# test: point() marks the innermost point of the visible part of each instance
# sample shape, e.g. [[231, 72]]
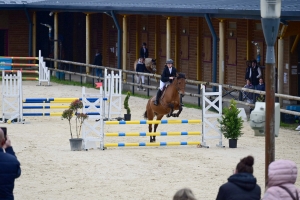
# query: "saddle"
[[162, 92]]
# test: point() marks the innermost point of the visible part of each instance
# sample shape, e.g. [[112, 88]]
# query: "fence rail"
[[192, 82]]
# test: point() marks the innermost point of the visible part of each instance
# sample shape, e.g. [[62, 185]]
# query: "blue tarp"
[[5, 60]]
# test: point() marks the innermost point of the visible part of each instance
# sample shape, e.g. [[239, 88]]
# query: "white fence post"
[[92, 128], [209, 120], [44, 72], [12, 105]]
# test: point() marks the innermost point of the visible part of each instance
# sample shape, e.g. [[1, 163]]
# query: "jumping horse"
[[170, 100]]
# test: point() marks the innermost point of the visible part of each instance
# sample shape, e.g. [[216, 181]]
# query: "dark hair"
[[144, 44], [254, 61], [184, 194], [245, 165]]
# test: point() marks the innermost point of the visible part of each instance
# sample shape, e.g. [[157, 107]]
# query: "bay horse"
[[150, 65], [170, 100]]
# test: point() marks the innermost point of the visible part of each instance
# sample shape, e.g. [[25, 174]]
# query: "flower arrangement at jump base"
[[231, 124], [74, 108]]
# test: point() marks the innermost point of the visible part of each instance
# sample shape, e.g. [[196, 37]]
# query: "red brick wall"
[[18, 35]]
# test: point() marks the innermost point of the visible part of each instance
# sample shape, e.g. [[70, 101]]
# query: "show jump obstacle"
[[12, 104], [94, 127], [43, 71], [106, 103]]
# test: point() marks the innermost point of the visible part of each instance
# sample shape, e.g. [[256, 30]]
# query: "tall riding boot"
[[158, 95]]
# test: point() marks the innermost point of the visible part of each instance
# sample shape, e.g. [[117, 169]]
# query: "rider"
[[168, 75]]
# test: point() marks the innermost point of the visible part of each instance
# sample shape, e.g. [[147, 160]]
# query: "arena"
[[51, 171]]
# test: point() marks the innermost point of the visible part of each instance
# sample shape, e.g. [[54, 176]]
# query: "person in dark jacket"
[[98, 61], [255, 74], [242, 184], [248, 70], [168, 75], [144, 53], [141, 67], [9, 168], [261, 87]]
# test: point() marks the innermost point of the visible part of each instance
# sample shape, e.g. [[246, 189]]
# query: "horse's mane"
[[180, 75]]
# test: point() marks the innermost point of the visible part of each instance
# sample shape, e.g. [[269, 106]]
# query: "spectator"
[[141, 67], [248, 70], [184, 194], [98, 61], [242, 184], [9, 167], [248, 95], [255, 74], [282, 177], [144, 53], [261, 87]]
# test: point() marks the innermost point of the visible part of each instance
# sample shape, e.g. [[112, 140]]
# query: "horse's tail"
[[145, 115]]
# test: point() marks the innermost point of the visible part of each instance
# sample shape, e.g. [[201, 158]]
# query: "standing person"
[[184, 194], [98, 61], [141, 67], [144, 53], [242, 184], [9, 167], [248, 70], [255, 74], [282, 176], [168, 75], [261, 87]]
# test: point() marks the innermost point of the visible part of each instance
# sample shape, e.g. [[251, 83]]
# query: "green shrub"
[[230, 123], [126, 105]]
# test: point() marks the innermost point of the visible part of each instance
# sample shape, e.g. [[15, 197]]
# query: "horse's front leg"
[[150, 130], [171, 111], [179, 111]]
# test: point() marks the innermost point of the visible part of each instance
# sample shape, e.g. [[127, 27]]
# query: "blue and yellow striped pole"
[[143, 144], [183, 121], [123, 134]]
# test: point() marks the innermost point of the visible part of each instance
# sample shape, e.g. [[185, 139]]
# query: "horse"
[[170, 100], [150, 65]]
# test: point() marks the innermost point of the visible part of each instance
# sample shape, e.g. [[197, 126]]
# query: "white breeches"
[[162, 84], [139, 78]]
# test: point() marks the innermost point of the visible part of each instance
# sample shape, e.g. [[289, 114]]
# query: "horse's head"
[[180, 83], [151, 65]]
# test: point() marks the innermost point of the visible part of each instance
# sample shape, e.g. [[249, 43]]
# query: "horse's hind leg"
[[150, 116], [159, 117]]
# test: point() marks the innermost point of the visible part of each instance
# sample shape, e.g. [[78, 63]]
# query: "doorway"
[[3, 43]]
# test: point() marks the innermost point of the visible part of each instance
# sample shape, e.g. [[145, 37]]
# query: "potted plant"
[[75, 106], [127, 116], [231, 124]]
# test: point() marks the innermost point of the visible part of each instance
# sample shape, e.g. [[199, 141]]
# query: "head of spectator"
[[184, 194], [144, 45], [245, 165], [261, 81], [248, 82], [141, 60], [254, 63]]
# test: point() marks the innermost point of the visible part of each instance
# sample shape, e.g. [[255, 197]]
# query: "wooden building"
[[184, 32]]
